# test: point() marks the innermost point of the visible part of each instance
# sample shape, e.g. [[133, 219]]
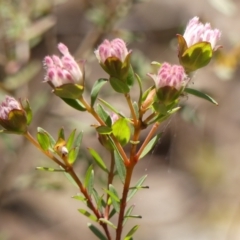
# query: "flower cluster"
[[197, 32], [170, 75], [7, 106], [63, 70], [115, 48]]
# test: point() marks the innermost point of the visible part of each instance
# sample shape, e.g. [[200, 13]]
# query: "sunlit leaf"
[[104, 130], [87, 214], [50, 169], [121, 131]]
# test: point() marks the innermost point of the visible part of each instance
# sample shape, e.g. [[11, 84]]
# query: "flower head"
[[171, 76], [198, 32], [63, 70], [7, 106], [115, 48], [13, 116]]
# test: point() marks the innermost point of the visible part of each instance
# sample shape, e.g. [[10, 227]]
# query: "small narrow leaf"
[[72, 155], [69, 177], [98, 159], [112, 213], [136, 110], [140, 88], [107, 222], [96, 88], [61, 134], [121, 169], [98, 200], [78, 140], [80, 198], [139, 183], [89, 179], [104, 130], [104, 115], [87, 214], [131, 232], [96, 232], [128, 212], [110, 107], [150, 145], [51, 139], [74, 103], [70, 140], [50, 169], [118, 85], [200, 95], [43, 140], [114, 198]]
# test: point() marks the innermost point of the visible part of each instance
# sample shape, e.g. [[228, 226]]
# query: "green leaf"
[[150, 145], [80, 198], [110, 107], [43, 140], [131, 232], [112, 213], [130, 77], [104, 115], [98, 200], [78, 140], [200, 95], [121, 169], [98, 159], [28, 110], [74, 103], [96, 88], [114, 197], [89, 180], [196, 56], [104, 130], [128, 212], [136, 109], [61, 134], [107, 222], [72, 156], [70, 140], [140, 88], [134, 191], [118, 85], [96, 232], [87, 214], [51, 139], [50, 169], [71, 180], [121, 131], [69, 90]]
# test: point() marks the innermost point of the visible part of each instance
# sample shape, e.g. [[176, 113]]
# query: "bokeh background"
[[194, 171]]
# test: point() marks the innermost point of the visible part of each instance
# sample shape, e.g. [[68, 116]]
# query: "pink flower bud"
[[63, 70], [197, 32], [115, 48], [7, 106], [170, 75]]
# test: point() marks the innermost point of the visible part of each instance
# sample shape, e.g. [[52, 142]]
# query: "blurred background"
[[194, 171]]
